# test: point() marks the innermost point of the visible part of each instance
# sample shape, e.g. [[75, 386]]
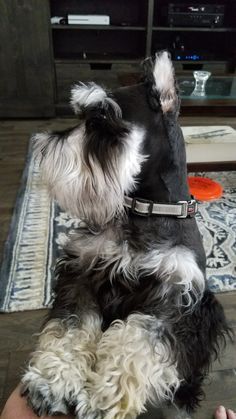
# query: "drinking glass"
[[201, 78]]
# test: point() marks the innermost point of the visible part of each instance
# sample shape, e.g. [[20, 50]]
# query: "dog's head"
[[123, 141]]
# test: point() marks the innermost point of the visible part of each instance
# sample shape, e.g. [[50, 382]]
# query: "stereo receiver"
[[202, 15]]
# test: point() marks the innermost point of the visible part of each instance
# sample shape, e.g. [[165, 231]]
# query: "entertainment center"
[[43, 59]]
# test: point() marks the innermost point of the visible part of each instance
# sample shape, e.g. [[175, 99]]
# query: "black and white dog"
[[133, 320]]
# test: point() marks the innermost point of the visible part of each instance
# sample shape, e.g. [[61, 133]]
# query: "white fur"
[[177, 265], [129, 164], [86, 191], [112, 375], [59, 367], [163, 73], [85, 95], [133, 366]]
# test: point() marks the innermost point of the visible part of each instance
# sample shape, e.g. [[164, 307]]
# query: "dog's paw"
[[43, 397], [83, 409], [48, 398]]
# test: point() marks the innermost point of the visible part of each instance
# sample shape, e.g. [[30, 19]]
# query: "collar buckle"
[[189, 208]]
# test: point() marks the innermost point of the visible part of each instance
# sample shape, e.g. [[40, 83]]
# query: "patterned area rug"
[[39, 228]]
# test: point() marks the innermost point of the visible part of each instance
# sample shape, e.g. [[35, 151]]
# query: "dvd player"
[[88, 20]]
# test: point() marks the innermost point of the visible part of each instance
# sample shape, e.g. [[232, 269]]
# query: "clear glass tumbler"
[[201, 78]]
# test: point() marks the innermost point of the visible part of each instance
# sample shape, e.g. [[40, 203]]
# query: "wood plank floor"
[[17, 329]]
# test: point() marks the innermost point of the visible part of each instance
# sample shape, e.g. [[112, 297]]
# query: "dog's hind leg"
[[57, 373], [134, 365], [200, 337]]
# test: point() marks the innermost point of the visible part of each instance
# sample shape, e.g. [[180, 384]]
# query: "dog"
[[133, 320]]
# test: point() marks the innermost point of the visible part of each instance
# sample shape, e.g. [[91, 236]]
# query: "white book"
[[210, 143]]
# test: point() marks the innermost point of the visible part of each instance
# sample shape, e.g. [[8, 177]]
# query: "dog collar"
[[144, 207]]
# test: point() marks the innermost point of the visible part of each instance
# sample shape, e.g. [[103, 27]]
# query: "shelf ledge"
[[100, 27]]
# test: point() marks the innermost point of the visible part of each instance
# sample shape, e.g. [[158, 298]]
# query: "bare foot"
[[222, 413]]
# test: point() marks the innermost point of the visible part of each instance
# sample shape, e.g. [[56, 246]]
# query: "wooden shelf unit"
[[149, 21]]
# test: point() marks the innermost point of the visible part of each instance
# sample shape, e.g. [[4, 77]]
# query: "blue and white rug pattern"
[[217, 224], [26, 272], [39, 228]]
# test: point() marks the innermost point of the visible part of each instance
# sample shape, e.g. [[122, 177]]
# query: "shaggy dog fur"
[[133, 320]]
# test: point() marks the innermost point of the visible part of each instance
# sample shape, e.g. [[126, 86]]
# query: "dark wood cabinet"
[[112, 54], [40, 60], [26, 61]]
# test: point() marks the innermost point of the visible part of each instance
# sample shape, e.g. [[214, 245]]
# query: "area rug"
[[39, 228]]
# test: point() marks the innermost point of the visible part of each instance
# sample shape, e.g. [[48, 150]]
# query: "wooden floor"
[[16, 330]]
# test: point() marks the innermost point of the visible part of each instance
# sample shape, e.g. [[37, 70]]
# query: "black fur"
[[201, 336], [104, 134]]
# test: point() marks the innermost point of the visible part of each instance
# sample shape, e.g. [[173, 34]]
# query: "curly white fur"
[[58, 369], [112, 375], [133, 366]]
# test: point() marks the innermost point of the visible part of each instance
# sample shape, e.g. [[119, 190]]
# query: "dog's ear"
[[91, 167], [85, 97], [163, 95], [159, 77]]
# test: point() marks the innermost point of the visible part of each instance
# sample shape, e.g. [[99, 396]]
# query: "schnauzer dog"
[[133, 321]]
